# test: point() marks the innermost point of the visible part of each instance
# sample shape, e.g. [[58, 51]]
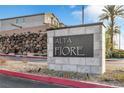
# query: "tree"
[[116, 30], [110, 13]]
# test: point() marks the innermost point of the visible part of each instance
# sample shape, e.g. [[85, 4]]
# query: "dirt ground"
[[25, 64], [114, 65], [22, 66]]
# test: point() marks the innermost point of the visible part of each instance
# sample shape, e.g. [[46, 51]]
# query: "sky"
[[68, 14]]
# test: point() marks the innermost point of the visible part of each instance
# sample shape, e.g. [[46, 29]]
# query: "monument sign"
[[73, 46], [77, 48]]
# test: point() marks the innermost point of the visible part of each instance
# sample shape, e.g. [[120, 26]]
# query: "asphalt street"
[[14, 82]]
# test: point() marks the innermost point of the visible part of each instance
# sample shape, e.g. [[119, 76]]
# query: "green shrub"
[[121, 55], [118, 54], [38, 54], [108, 54]]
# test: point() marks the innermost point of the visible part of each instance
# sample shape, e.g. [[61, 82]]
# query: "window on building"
[[20, 20], [52, 20], [23, 20]]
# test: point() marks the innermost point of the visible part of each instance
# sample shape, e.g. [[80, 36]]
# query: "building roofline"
[[31, 15], [24, 16], [91, 24], [56, 17]]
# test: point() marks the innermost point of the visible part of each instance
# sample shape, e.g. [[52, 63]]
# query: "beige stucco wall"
[[29, 21], [51, 19]]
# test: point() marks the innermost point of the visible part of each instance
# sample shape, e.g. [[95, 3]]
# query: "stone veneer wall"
[[94, 65]]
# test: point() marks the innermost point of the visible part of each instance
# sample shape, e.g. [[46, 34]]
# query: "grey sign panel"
[[73, 46]]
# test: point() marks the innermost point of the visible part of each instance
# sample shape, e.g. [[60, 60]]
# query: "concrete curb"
[[56, 80], [37, 57]]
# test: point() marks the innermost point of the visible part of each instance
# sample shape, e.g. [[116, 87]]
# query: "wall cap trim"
[[91, 24]]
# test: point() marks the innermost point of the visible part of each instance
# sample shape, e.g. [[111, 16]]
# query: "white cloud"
[[94, 10], [72, 6], [91, 13], [77, 14]]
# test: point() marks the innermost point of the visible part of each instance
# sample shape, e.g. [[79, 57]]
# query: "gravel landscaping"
[[21, 66]]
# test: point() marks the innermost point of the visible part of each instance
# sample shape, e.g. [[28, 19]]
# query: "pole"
[[82, 14], [119, 42]]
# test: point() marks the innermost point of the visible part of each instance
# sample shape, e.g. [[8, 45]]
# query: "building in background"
[[28, 21], [26, 35]]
